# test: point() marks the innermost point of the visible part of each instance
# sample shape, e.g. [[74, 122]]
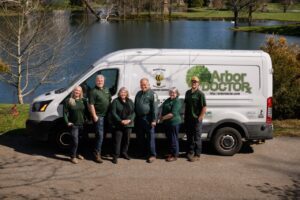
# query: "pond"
[[99, 39]]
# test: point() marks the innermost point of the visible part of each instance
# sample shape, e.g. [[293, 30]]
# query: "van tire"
[[63, 139], [227, 141]]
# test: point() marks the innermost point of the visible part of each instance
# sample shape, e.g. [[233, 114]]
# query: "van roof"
[[121, 55]]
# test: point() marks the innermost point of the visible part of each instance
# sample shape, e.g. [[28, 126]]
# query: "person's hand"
[[95, 118], [70, 124], [153, 124], [127, 121], [200, 119]]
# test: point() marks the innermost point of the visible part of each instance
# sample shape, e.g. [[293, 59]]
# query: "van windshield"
[[80, 75]]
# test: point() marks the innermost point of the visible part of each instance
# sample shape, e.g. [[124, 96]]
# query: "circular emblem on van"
[[201, 72]]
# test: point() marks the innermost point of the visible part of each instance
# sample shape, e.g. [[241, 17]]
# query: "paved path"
[[30, 170]]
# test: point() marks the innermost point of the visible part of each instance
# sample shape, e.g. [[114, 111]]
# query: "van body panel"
[[236, 83]]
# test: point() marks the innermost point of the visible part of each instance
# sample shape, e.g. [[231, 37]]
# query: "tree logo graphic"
[[201, 72]]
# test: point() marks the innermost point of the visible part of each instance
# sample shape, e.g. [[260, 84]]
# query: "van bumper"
[[259, 131], [39, 130]]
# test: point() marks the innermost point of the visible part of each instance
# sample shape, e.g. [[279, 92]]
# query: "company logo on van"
[[159, 77], [223, 83]]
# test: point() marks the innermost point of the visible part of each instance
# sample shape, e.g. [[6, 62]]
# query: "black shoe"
[[125, 155], [115, 160], [197, 157], [190, 157]]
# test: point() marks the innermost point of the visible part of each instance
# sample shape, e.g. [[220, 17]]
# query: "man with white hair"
[[145, 110], [99, 100]]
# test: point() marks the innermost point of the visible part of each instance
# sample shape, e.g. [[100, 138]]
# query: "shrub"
[[4, 67], [286, 77]]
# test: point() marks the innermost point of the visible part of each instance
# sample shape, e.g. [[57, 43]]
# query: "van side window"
[[111, 81]]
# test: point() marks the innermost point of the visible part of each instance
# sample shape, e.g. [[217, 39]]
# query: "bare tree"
[[286, 4], [236, 7], [33, 48], [252, 7]]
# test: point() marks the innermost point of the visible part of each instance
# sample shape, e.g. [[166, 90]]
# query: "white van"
[[237, 85]]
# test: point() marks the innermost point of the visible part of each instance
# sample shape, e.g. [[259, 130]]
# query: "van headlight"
[[40, 106]]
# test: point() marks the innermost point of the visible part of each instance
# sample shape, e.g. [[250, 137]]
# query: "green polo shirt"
[[145, 105], [100, 98], [194, 102], [76, 114], [172, 106], [122, 110]]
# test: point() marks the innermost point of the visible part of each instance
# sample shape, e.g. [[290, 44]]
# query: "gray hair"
[[144, 79], [174, 89], [100, 76], [123, 89]]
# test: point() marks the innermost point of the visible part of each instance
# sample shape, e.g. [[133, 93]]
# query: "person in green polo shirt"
[[75, 114], [170, 117], [145, 109], [195, 108], [99, 100], [122, 120]]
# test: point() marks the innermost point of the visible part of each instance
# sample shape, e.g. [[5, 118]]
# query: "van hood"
[[49, 95]]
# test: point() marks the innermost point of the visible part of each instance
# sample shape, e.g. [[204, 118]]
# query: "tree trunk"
[[138, 8], [236, 17], [170, 8], [91, 9], [19, 59], [250, 15], [20, 96], [165, 6], [124, 10]]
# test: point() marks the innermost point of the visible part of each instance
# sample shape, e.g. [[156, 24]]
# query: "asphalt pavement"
[[34, 170]]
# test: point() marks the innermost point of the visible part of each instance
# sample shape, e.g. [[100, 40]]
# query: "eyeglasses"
[[194, 81]]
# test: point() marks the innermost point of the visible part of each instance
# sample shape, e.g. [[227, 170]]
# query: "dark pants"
[[121, 140], [193, 132], [75, 139], [145, 134], [99, 126], [172, 136]]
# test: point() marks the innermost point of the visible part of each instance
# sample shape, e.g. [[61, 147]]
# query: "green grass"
[[205, 13], [293, 29], [277, 7], [9, 122]]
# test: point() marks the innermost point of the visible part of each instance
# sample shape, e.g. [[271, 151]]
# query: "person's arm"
[[203, 111], [66, 114], [115, 116], [87, 114], [202, 114], [153, 110], [92, 107], [132, 116], [175, 110]]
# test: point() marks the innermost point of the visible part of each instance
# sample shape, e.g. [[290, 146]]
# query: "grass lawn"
[[8, 122], [207, 13], [293, 29]]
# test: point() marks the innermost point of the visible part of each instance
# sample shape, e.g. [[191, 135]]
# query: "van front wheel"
[[227, 141], [64, 139]]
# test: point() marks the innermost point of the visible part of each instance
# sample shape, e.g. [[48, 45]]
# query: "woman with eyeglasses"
[[170, 117]]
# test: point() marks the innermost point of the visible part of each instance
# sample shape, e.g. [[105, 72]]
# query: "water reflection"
[[97, 39]]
